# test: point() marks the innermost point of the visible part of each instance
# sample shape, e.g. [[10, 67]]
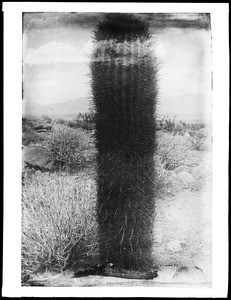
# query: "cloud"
[[57, 52]]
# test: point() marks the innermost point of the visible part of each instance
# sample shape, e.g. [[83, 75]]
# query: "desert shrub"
[[196, 126], [88, 117], [69, 149], [32, 137], [81, 124], [85, 121], [71, 124], [29, 135], [172, 150], [162, 180], [46, 119], [27, 124], [84, 125], [179, 129], [60, 121], [171, 126], [198, 139], [58, 222]]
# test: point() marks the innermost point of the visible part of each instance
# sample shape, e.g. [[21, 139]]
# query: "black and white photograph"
[[117, 136]]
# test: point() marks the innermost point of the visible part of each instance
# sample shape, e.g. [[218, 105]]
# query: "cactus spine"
[[124, 87]]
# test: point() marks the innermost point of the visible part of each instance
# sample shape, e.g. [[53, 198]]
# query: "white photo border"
[[12, 147]]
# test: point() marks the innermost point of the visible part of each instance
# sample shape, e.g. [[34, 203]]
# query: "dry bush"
[[46, 119], [69, 148], [32, 137], [58, 222], [199, 139], [161, 176], [166, 182], [173, 150], [29, 135], [60, 121]]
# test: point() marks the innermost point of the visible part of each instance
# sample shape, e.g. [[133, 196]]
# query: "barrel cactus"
[[125, 91]]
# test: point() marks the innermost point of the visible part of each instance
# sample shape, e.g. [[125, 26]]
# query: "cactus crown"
[[121, 27]]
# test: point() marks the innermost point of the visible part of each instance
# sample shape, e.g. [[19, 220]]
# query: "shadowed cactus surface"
[[124, 87]]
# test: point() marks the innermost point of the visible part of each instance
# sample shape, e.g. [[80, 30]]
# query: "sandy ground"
[[184, 234]]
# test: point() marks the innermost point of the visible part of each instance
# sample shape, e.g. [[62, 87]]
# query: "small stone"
[[158, 238], [184, 245], [172, 174], [181, 169], [175, 246], [24, 165], [203, 170], [165, 274], [50, 165], [35, 156], [202, 262], [188, 274], [42, 126], [186, 177]]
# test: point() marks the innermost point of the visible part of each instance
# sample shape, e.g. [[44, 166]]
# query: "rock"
[[158, 238], [175, 246], [203, 262], [41, 130], [203, 170], [23, 165], [191, 133], [35, 156], [184, 245], [203, 131], [188, 274], [172, 174], [165, 274], [186, 177], [181, 169], [199, 263], [42, 126], [50, 166]]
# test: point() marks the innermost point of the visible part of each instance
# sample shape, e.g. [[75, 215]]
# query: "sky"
[[57, 47]]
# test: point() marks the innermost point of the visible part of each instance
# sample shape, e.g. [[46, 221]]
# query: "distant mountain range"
[[186, 107], [183, 107], [65, 109]]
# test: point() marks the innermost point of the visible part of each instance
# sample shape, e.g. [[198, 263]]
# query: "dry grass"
[[58, 222]]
